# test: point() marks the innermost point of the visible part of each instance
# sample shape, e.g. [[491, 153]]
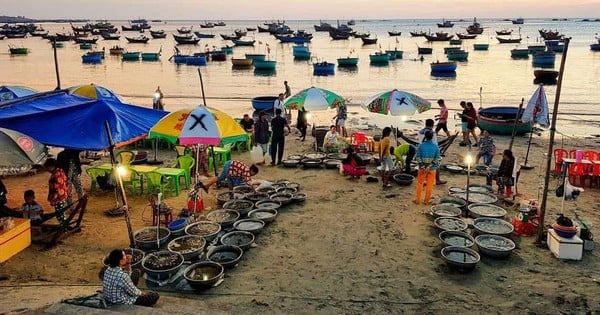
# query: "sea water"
[[488, 78]]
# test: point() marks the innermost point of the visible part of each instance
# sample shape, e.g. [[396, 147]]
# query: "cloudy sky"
[[296, 9]]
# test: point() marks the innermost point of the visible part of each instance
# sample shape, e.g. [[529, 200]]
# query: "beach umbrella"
[[396, 103], [19, 152], [536, 112], [9, 92], [314, 99], [200, 125], [94, 91]]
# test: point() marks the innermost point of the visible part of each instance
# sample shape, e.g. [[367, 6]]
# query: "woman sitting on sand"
[[353, 165]]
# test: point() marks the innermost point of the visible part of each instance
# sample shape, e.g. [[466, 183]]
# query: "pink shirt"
[[443, 114]]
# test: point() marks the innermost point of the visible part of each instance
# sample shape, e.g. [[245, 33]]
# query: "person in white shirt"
[[330, 142], [279, 104]]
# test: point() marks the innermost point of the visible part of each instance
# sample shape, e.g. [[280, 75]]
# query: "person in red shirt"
[[235, 172], [58, 189]]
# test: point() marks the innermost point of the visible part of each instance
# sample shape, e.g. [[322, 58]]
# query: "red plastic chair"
[[595, 175], [559, 155], [573, 153], [359, 142], [577, 171], [590, 155]]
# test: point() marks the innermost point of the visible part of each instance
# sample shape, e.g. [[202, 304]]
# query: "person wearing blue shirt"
[[428, 158]]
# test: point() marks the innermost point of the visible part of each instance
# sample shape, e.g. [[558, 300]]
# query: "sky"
[[295, 9]]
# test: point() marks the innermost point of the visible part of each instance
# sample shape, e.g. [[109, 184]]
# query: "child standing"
[[486, 148], [31, 209]]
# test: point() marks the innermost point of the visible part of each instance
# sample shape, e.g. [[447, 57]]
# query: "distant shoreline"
[[22, 19]]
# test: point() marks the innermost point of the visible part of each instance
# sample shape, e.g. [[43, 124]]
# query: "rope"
[[293, 297]]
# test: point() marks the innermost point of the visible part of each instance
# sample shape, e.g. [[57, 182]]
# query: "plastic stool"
[[165, 212]]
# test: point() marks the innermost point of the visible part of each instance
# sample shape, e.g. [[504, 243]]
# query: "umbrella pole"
[[202, 87], [111, 148], [56, 64], [551, 145], [514, 131]]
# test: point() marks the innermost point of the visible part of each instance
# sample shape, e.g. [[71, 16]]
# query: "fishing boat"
[[85, 46], [207, 25], [220, 23], [555, 45], [130, 56], [380, 58], [595, 47], [347, 62], [368, 40], [85, 40], [251, 29], [533, 49], [186, 39], [227, 49], [265, 64], [518, 21], [503, 32], [501, 120], [241, 62], [229, 36], [475, 28], [448, 66], [323, 68], [158, 34], [438, 37], [301, 52], [323, 27], [197, 59], [452, 48], [17, 50], [218, 55], [256, 57], [458, 55], [398, 54], [203, 35], [297, 39], [110, 36], [142, 39], [466, 36], [519, 53], [338, 35], [151, 56], [445, 24], [504, 40], [424, 50], [91, 57], [240, 32], [546, 58], [239, 42], [394, 33], [261, 103], [547, 34], [184, 30], [116, 50], [418, 33], [455, 42], [481, 46], [58, 45], [545, 75]]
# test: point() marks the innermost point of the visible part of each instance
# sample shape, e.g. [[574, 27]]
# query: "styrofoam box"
[[565, 248]]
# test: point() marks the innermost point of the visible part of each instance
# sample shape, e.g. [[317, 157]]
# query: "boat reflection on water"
[[241, 68], [443, 74], [351, 69], [265, 72]]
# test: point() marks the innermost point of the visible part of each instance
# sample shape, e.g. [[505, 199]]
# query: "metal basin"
[[203, 275], [283, 198], [224, 217], [268, 204], [226, 255], [450, 224], [162, 265], [457, 238], [265, 215], [495, 245], [241, 239], [253, 226], [492, 226], [477, 210], [146, 238], [206, 229], [445, 211], [243, 189], [241, 206], [453, 201], [476, 197], [460, 257], [189, 246]]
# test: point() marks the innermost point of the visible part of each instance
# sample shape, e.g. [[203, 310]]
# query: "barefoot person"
[[442, 118], [235, 172], [387, 165], [428, 158], [58, 190], [117, 286]]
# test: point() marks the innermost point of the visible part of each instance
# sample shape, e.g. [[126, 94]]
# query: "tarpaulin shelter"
[[61, 119]]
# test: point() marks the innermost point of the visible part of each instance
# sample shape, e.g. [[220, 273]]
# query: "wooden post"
[[514, 131], [540, 237], [56, 64]]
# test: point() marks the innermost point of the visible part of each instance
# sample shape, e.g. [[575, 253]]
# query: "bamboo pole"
[[56, 64], [514, 131], [540, 237]]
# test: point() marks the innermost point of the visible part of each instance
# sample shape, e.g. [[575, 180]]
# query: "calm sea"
[[502, 80]]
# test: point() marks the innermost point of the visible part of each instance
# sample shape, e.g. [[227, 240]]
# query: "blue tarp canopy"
[[60, 119]]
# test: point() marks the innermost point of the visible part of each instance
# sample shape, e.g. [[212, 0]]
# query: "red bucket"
[[195, 206]]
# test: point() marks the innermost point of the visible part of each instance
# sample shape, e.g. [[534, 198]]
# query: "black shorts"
[[471, 126], [441, 126]]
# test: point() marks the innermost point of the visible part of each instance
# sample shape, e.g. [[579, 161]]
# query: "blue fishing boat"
[[260, 103], [519, 53], [595, 47], [131, 56], [239, 42], [91, 58], [301, 52], [227, 50], [481, 46], [501, 120], [379, 58], [347, 62], [323, 68], [398, 54], [458, 55], [546, 58], [85, 46], [198, 59], [449, 66]]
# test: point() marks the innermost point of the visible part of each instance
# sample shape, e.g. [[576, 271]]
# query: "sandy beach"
[[351, 248]]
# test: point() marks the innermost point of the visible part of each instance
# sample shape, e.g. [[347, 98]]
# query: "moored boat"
[[448, 66], [116, 50], [455, 42], [347, 62], [424, 50], [519, 53], [256, 57], [151, 56], [239, 42], [500, 120], [398, 54], [438, 37], [203, 35], [595, 47], [18, 50], [536, 48], [418, 33], [85, 46], [504, 40], [475, 28], [323, 68], [368, 40], [91, 57], [458, 55], [504, 32], [445, 24], [466, 36], [451, 48], [110, 36], [518, 21], [301, 52], [394, 33], [130, 56], [241, 62], [227, 49], [198, 59], [139, 39], [480, 46], [158, 34], [546, 58], [379, 58], [265, 64], [545, 75]]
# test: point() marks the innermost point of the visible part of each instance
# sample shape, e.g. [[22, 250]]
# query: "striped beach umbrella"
[[396, 103], [314, 99]]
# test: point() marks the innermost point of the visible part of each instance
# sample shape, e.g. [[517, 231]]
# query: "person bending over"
[[117, 286], [235, 172], [404, 154]]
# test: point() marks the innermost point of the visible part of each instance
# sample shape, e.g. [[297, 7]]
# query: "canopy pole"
[[528, 147], [202, 87], [514, 131], [111, 148], [540, 237], [56, 64]]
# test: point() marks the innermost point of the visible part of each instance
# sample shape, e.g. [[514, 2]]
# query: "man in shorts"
[[442, 118]]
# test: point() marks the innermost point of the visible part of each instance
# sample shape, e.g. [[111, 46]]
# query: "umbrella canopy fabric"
[[536, 111], [94, 91], [396, 103], [200, 125], [60, 119], [11, 92], [18, 152], [314, 99]]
